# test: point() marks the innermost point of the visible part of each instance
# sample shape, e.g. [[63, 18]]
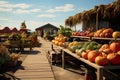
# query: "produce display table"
[[100, 69], [3, 38], [18, 47]]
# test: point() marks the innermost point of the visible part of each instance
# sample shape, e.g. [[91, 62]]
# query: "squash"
[[115, 46], [104, 46], [93, 54], [73, 48], [113, 58], [100, 60], [84, 55]]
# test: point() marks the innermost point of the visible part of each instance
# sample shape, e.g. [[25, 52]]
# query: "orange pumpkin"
[[107, 51], [53, 41], [56, 42], [113, 58], [84, 55], [115, 46], [59, 43], [93, 54], [104, 54], [104, 46], [100, 60]]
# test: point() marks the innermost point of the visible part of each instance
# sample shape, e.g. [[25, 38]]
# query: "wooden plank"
[[37, 78], [37, 64], [36, 68], [40, 74]]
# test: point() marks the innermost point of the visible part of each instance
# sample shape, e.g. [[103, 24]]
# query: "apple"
[[116, 34]]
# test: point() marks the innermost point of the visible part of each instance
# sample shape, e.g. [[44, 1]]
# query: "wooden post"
[[75, 27]]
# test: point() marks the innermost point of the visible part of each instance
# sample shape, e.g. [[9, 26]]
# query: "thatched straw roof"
[[69, 21], [105, 12]]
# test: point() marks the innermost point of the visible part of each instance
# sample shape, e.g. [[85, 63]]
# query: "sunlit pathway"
[[36, 66]]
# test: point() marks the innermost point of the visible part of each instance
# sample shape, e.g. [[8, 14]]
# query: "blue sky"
[[40, 12]]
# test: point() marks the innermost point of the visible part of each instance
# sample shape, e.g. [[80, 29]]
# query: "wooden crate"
[[54, 57]]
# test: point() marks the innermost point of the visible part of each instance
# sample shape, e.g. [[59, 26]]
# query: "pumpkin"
[[60, 43], [56, 42], [53, 41], [113, 58], [55, 38], [107, 51], [104, 46], [115, 46], [100, 60], [93, 54], [84, 55], [104, 54]]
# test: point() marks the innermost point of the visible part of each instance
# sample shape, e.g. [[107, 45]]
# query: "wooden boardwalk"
[[36, 66]]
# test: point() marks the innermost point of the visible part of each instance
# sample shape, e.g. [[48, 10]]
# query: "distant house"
[[49, 28]]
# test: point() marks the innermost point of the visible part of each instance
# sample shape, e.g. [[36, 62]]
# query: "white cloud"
[[22, 6], [3, 2], [5, 10], [65, 8], [22, 11], [16, 8], [35, 10], [3, 19], [47, 15]]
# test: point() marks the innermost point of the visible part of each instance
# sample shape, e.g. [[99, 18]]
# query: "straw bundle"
[[69, 21], [85, 16], [117, 8], [108, 12], [77, 19], [100, 11]]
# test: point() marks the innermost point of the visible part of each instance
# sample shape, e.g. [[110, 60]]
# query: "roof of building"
[[14, 30], [47, 26], [8, 30]]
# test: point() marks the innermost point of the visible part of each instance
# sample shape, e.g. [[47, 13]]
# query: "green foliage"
[[92, 45], [65, 31], [15, 36], [73, 48]]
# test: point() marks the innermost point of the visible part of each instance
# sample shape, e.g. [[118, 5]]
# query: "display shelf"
[[96, 38], [100, 69]]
